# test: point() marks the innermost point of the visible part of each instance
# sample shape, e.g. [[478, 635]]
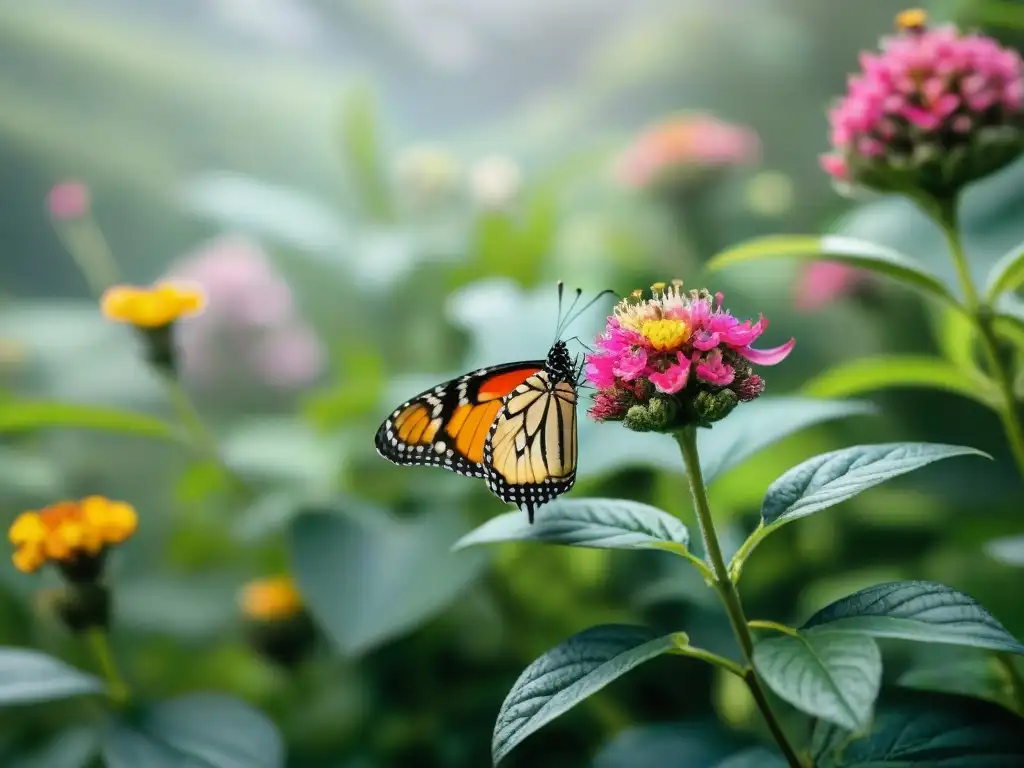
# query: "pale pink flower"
[[695, 141], [68, 200], [823, 282], [673, 378]]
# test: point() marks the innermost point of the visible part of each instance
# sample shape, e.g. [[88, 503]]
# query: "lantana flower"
[[73, 535], [277, 622], [676, 359], [682, 154], [932, 111]]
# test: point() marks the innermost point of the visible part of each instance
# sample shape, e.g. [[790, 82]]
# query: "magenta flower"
[[675, 359], [932, 111], [68, 200]]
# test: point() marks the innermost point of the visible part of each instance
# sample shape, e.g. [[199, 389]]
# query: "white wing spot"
[[439, 446]]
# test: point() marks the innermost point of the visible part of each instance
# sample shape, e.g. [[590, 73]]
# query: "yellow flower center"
[[152, 307], [665, 334], [911, 20], [66, 529], [271, 599]]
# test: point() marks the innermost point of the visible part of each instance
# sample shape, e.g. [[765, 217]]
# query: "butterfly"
[[513, 424]]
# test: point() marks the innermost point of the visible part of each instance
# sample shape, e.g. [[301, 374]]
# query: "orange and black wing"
[[447, 426]]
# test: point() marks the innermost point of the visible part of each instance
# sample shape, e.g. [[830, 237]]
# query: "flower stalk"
[[117, 689], [945, 214], [687, 439]]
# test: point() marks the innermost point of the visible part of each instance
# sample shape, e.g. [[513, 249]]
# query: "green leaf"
[[594, 523], [832, 675], [568, 674], [923, 611], [362, 154], [29, 677], [832, 478], [981, 677], [1007, 274], [750, 429], [74, 748], [372, 579], [927, 730], [25, 416], [755, 757], [890, 371], [204, 730], [668, 745], [847, 250], [1008, 550]]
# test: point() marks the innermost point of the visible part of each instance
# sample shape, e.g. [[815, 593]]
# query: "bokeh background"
[[378, 195]]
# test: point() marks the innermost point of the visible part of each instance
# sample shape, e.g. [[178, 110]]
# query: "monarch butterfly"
[[513, 425]]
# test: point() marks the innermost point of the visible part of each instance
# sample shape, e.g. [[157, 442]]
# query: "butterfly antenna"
[[562, 319], [585, 307]]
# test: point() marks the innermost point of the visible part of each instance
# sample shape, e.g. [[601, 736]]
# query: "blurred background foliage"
[[385, 193]]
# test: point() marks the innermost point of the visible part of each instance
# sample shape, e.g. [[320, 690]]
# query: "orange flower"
[[70, 530], [271, 599], [154, 307]]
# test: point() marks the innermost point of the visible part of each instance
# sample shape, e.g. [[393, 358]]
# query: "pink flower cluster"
[[677, 344], [68, 200], [250, 328], [925, 87], [682, 142]]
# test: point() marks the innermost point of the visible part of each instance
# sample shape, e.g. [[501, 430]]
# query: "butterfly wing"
[[446, 426], [531, 450]]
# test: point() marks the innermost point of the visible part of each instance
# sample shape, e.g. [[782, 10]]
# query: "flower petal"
[[768, 356]]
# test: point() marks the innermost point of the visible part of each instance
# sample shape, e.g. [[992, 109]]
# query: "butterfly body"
[[514, 425]]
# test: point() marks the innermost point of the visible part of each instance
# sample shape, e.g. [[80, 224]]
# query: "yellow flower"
[[154, 307], [69, 530], [911, 20], [271, 599]]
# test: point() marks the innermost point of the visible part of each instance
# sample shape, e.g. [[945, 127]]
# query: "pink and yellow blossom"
[[680, 345]]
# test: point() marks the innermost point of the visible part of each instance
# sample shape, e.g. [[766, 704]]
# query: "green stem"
[[85, 242], [683, 648], [946, 214], [117, 689], [771, 626], [687, 439], [201, 437]]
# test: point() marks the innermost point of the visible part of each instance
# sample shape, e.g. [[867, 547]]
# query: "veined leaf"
[[594, 523], [670, 745], [911, 371], [755, 757], [923, 611], [1007, 274], [927, 730], [834, 477], [832, 675], [847, 250], [568, 674], [25, 416]]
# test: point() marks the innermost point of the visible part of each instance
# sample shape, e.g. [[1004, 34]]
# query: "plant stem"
[[771, 626], [687, 439], [683, 648], [87, 246], [202, 438], [117, 689], [980, 313]]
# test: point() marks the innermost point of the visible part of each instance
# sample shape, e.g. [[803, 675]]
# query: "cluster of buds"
[[277, 624]]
